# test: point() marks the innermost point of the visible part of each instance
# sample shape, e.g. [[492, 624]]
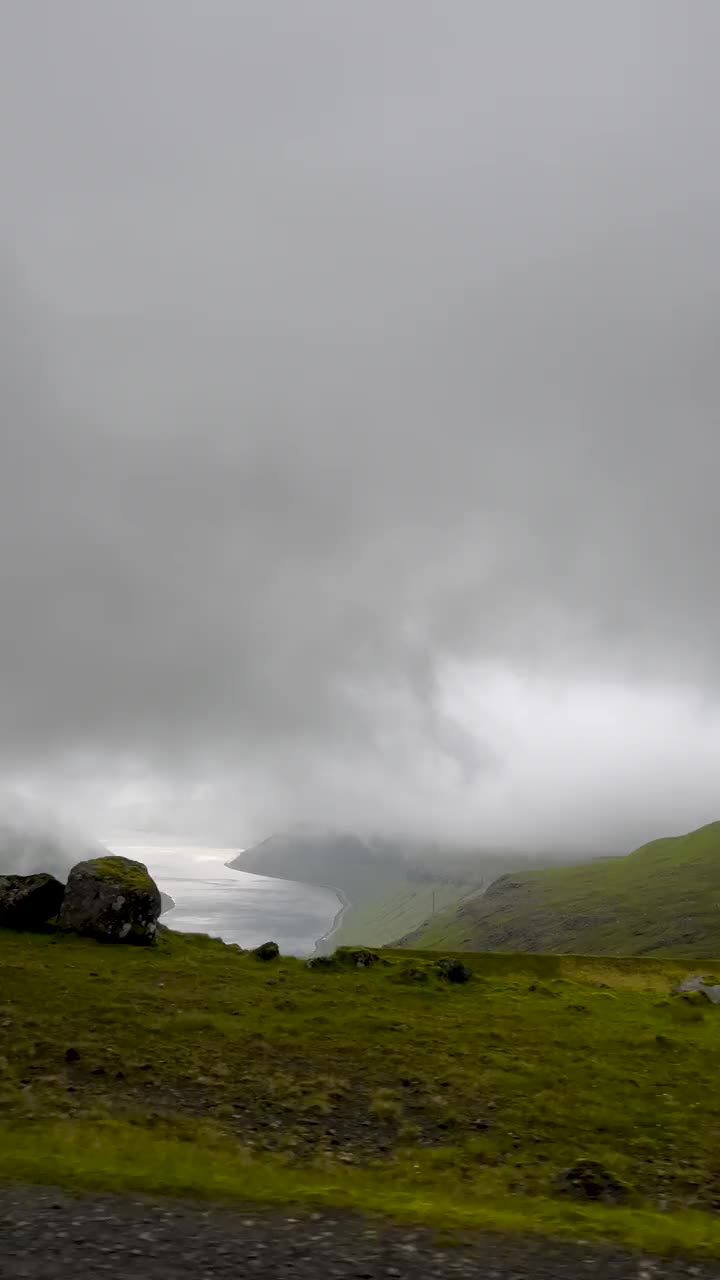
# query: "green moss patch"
[[123, 871]]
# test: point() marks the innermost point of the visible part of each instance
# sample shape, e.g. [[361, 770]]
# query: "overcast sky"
[[360, 383]]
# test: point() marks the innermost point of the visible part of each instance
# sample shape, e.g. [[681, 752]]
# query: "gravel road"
[[51, 1235]]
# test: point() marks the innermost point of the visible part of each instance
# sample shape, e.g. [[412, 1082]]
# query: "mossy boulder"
[[267, 951], [113, 899], [28, 902]]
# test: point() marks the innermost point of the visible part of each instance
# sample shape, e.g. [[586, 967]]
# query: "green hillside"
[[397, 910], [663, 898], [193, 1068]]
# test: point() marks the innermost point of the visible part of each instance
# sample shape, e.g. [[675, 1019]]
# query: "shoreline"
[[344, 901], [345, 905]]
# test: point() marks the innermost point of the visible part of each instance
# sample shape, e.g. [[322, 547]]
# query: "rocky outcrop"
[[113, 899], [706, 988], [166, 903], [28, 902]]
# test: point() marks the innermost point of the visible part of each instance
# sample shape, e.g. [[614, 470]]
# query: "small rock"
[[590, 1180], [72, 1055]]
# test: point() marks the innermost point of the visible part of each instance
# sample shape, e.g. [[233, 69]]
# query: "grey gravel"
[[51, 1235]]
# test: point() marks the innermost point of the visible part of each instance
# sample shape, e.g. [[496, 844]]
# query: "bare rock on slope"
[[710, 990]]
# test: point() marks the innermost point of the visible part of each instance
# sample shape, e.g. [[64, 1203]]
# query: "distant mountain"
[[663, 898], [393, 886], [336, 859]]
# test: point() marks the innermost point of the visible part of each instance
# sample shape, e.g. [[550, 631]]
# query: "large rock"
[[113, 899], [28, 902], [267, 951]]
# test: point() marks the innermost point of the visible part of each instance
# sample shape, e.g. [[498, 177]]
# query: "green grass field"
[[193, 1068], [662, 899]]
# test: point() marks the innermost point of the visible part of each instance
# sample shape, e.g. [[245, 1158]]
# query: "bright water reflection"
[[234, 905]]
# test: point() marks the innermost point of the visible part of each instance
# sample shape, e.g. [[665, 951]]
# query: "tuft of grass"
[[385, 1104], [122, 871], [686, 1011]]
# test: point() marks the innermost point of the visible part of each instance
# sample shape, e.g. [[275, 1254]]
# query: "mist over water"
[[233, 905]]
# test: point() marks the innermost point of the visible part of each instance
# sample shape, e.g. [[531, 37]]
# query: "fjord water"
[[212, 898]]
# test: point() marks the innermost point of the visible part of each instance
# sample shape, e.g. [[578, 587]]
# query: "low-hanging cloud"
[[352, 356], [34, 838]]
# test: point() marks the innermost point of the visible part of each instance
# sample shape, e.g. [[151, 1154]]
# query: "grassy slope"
[[664, 898], [202, 1070], [397, 910]]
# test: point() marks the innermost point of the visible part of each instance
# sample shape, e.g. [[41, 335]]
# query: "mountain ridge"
[[663, 898]]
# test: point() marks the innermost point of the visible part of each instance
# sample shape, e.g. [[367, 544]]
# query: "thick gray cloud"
[[350, 351]]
